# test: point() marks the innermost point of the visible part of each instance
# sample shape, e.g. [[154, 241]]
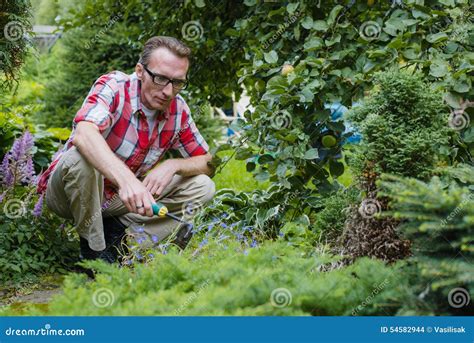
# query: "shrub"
[[15, 18], [32, 240], [404, 126], [273, 279], [438, 216], [81, 67], [329, 220]]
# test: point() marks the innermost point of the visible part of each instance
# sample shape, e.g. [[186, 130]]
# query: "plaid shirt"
[[113, 104]]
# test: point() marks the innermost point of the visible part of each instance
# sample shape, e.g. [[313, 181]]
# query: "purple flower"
[[27, 171], [138, 255], [151, 255], [7, 179], [18, 149], [22, 146], [154, 238], [17, 164], [38, 209], [140, 240], [253, 244], [203, 243], [62, 226], [28, 141], [224, 225], [139, 229], [163, 248]]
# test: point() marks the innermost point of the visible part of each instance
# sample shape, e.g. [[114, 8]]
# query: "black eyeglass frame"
[[172, 81]]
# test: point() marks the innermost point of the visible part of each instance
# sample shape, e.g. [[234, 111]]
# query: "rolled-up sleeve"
[[100, 105], [190, 142]]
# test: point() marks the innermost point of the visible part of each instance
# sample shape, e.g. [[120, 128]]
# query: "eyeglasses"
[[163, 81]]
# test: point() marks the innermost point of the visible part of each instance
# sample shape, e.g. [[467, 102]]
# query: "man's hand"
[[160, 177], [95, 149], [136, 197]]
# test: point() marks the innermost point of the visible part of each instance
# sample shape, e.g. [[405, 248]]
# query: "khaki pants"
[[75, 191]]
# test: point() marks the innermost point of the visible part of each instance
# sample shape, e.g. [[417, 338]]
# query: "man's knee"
[[77, 165], [206, 187]]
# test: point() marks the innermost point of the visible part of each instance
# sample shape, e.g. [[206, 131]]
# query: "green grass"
[[236, 177]]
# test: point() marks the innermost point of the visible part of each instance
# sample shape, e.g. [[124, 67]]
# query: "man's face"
[[163, 62]]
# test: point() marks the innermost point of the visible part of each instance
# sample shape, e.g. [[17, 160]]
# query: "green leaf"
[[311, 154], [199, 3], [410, 54], [271, 212], [437, 37], [307, 22], [271, 57], [265, 158], [320, 25], [336, 168], [307, 94], [438, 69], [461, 87], [453, 100], [291, 8], [313, 44], [250, 166], [262, 176], [333, 15]]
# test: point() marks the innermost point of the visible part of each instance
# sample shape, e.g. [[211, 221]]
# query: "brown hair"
[[174, 45]]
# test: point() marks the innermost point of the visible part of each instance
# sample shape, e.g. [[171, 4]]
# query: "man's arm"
[[193, 165], [97, 152], [159, 177]]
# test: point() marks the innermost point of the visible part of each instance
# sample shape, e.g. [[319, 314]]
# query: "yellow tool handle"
[[159, 209]]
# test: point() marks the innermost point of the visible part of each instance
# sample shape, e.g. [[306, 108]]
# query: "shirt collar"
[[135, 87]]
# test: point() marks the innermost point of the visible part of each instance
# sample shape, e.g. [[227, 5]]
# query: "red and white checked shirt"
[[114, 105]]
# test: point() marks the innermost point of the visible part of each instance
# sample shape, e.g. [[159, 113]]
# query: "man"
[[107, 176]]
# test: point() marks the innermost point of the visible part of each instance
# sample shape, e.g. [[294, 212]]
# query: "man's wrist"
[[123, 178], [175, 164]]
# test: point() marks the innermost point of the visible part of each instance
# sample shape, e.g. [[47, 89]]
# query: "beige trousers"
[[75, 191]]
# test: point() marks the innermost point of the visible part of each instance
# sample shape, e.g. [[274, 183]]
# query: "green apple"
[[329, 141]]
